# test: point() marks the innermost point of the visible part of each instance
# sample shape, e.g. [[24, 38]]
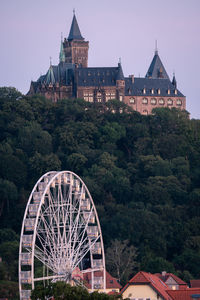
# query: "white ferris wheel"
[[60, 234]]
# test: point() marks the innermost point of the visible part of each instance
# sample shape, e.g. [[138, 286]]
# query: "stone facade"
[[72, 78]]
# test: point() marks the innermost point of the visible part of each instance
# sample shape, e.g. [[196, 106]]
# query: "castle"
[[72, 78]]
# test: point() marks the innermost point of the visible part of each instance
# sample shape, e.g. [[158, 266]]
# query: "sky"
[[30, 33]]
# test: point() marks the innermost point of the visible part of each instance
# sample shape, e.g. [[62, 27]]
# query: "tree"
[[121, 259], [60, 290], [8, 93]]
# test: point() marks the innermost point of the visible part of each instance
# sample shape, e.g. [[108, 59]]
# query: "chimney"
[[164, 273]]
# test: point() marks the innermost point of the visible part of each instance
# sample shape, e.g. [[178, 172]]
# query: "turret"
[[156, 69], [120, 82]]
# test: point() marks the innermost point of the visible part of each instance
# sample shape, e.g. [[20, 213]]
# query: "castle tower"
[[75, 47]]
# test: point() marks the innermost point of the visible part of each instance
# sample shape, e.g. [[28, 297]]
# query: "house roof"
[[167, 275], [159, 86], [149, 279], [111, 282], [75, 33], [184, 294], [156, 69], [195, 283]]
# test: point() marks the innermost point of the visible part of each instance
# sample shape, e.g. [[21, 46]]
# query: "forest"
[[143, 173]]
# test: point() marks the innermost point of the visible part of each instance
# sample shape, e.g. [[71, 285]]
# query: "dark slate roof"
[[63, 72], [136, 88], [120, 74], [97, 76], [156, 69], [75, 33]]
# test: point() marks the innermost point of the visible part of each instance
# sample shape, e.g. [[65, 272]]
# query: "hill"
[[142, 171]]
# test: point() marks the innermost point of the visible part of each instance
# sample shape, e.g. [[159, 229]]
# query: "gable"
[[140, 291]]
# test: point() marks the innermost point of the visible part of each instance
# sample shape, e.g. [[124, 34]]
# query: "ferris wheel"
[[60, 234]]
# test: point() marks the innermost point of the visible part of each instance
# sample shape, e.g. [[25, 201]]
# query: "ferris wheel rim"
[[56, 174]]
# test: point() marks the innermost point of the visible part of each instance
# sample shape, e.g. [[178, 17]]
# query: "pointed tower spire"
[[62, 53], [174, 82], [156, 69], [156, 48], [75, 33]]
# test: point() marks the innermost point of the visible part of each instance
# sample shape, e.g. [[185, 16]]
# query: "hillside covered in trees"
[[143, 173]]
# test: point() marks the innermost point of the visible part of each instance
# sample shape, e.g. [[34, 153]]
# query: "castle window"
[[161, 101], [153, 101], [158, 91], [144, 91], [175, 92], [152, 91], [99, 95], [168, 91], [120, 97], [88, 97], [144, 101], [132, 100], [110, 96], [170, 102], [179, 102]]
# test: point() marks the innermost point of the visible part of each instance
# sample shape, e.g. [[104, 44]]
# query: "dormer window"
[[175, 92], [152, 91], [158, 91], [144, 91], [168, 92]]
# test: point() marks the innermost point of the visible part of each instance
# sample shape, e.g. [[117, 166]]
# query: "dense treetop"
[[143, 173]]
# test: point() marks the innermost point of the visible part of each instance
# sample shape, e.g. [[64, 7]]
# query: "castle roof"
[[156, 69], [159, 86], [59, 73], [97, 76], [75, 33]]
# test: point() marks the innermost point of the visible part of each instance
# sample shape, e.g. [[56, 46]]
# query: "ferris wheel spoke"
[[40, 255]]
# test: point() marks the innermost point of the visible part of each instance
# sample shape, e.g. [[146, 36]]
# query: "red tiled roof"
[[167, 275], [111, 282], [183, 294], [195, 283], [147, 278]]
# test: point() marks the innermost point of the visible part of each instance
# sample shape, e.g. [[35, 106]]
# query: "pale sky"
[[30, 32]]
